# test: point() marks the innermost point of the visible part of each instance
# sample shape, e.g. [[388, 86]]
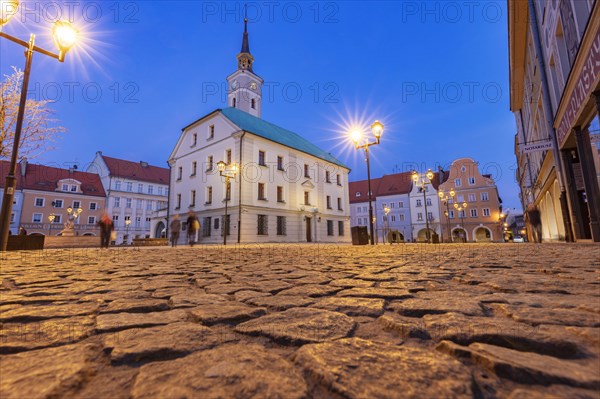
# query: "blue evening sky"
[[435, 73]]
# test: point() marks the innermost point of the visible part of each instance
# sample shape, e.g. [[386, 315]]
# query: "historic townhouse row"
[[399, 206]]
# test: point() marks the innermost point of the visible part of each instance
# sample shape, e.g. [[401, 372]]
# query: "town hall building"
[[285, 189]]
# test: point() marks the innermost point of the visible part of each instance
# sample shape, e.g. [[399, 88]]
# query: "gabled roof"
[[398, 183], [141, 171], [277, 134], [362, 187], [46, 178]]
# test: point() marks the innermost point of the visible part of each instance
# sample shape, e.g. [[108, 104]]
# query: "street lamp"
[[422, 183], [445, 198], [127, 223], [357, 138], [51, 220], [227, 171], [461, 212], [65, 36]]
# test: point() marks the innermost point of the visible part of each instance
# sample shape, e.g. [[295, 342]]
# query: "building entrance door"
[[308, 230]]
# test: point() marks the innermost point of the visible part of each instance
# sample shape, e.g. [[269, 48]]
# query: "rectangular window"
[[261, 191], [37, 218], [178, 204], [211, 132], [138, 221], [327, 177], [192, 198], [339, 204], [261, 158], [451, 215], [140, 188], [338, 179], [392, 205], [91, 220], [330, 227], [461, 214], [472, 197], [194, 167], [428, 201], [393, 218], [149, 205], [328, 202], [76, 204], [179, 172], [93, 206], [117, 202], [150, 189], [262, 224], [457, 183], [139, 204], [281, 227], [117, 185], [473, 213], [401, 217], [486, 211], [73, 189], [279, 163], [306, 198], [39, 202], [130, 186], [206, 226], [429, 216], [419, 203], [280, 194], [471, 181], [209, 163], [209, 195], [65, 187], [306, 171], [58, 203], [194, 139], [484, 196], [160, 191], [419, 216], [400, 204], [460, 198], [228, 156], [340, 228], [116, 219]]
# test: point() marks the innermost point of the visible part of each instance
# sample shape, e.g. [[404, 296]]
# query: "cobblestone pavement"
[[302, 321]]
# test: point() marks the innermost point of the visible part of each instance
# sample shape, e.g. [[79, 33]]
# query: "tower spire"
[[245, 44]]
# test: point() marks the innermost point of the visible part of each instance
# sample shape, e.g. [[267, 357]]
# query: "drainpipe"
[[240, 175], [535, 31]]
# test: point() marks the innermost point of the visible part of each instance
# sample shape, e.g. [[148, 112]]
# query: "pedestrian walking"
[[175, 229], [106, 228], [534, 219], [193, 225]]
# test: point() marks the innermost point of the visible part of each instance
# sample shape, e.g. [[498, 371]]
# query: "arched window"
[[253, 103], [233, 103]]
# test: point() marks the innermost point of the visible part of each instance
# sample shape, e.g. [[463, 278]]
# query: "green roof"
[[269, 131]]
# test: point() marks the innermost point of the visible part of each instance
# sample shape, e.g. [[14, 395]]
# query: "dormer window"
[[358, 193]]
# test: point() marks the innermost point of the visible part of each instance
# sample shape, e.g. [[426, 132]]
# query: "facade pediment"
[[308, 184]]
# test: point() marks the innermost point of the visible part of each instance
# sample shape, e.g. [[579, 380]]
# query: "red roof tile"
[[136, 170], [398, 183], [45, 178], [361, 187]]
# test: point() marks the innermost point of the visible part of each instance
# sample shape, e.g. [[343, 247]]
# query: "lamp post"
[[461, 209], [445, 198], [422, 183], [227, 171], [357, 138], [386, 226], [127, 223], [51, 220], [501, 221], [65, 36]]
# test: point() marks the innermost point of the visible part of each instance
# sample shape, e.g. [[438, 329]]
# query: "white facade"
[[398, 219], [417, 210], [259, 214], [15, 216], [130, 199]]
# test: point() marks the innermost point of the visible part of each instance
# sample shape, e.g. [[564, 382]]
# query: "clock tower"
[[244, 87]]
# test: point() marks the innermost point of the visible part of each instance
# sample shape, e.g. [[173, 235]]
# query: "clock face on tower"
[[234, 85]]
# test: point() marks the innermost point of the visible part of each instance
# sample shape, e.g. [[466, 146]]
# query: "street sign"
[[539, 146]]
